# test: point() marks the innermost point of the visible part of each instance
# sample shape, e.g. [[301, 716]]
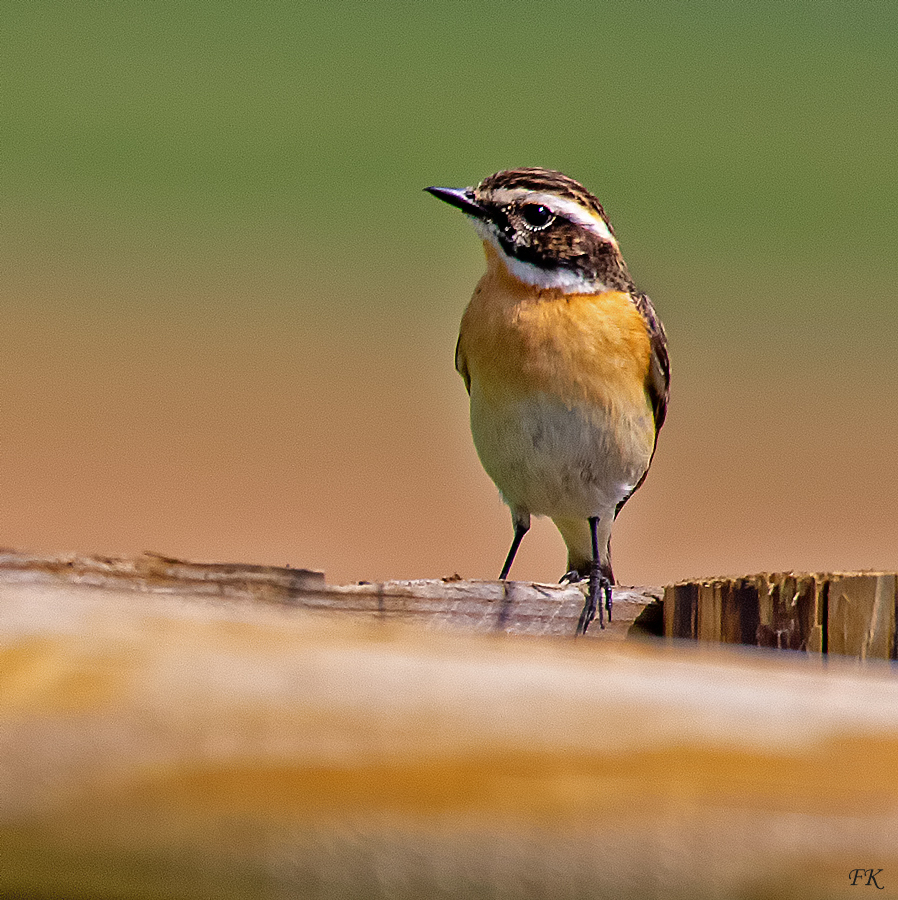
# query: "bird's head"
[[547, 228]]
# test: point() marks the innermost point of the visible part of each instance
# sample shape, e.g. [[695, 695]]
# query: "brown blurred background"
[[230, 311]]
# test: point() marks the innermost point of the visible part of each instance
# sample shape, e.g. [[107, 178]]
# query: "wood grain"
[[846, 613], [483, 606]]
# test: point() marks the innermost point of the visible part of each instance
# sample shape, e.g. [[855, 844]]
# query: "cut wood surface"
[[198, 738]]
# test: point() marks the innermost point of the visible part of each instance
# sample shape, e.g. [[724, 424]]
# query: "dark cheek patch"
[[564, 246]]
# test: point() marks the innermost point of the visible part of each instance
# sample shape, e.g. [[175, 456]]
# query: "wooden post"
[[862, 616], [852, 614]]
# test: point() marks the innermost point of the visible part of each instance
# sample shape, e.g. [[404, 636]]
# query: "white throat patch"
[[563, 280]]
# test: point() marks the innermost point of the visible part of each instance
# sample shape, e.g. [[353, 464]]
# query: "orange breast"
[[584, 349]]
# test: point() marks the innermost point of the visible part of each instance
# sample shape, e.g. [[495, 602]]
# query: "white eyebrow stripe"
[[573, 211], [568, 209]]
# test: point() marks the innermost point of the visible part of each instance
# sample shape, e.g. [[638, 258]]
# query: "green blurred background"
[[230, 310]]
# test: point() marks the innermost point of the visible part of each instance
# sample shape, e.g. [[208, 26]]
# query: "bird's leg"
[[609, 596], [521, 527], [598, 582]]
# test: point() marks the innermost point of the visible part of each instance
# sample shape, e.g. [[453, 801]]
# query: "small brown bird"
[[565, 362]]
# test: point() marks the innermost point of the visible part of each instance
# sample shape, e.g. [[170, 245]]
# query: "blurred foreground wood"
[[159, 740]]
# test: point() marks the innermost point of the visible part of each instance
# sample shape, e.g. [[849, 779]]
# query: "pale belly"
[[549, 460]]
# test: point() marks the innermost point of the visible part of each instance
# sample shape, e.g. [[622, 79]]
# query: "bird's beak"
[[463, 198]]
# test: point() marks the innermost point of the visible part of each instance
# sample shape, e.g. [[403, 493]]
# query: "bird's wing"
[[461, 365], [658, 378], [658, 381]]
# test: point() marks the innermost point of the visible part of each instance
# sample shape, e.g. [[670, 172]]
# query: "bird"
[[566, 364]]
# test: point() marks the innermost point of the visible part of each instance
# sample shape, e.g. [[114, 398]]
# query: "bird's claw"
[[598, 583], [572, 577]]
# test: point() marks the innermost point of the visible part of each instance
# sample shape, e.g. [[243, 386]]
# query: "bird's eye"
[[536, 215]]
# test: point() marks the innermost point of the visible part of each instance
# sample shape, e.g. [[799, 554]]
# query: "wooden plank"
[[681, 609], [790, 613], [169, 745], [862, 615], [740, 611], [484, 606], [847, 613], [708, 612]]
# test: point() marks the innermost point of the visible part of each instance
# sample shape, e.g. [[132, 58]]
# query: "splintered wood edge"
[[847, 613], [484, 606]]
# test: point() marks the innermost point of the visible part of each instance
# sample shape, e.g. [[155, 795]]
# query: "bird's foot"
[[572, 577], [598, 584]]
